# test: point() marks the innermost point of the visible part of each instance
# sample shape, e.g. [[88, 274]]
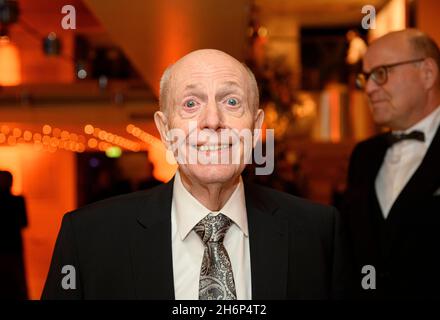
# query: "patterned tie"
[[216, 278]]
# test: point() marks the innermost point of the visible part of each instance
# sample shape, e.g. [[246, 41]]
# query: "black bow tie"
[[397, 137]]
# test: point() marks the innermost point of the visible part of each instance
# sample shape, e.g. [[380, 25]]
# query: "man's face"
[[209, 96], [397, 102]]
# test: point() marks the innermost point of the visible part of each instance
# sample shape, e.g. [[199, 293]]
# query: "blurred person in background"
[[13, 220], [355, 52], [392, 204]]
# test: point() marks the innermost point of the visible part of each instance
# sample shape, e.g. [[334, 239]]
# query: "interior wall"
[[47, 181], [392, 17], [427, 17], [164, 31]]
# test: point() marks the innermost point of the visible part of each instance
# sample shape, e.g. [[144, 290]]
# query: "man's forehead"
[[206, 61], [196, 75], [388, 50], [207, 56], [207, 68]]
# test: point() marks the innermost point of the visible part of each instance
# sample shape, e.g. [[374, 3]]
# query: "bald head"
[[209, 112], [404, 86], [205, 58], [410, 42]]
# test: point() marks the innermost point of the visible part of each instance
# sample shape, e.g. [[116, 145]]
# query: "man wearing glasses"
[[393, 195]]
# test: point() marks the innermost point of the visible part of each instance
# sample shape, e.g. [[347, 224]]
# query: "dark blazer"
[[404, 248], [121, 248]]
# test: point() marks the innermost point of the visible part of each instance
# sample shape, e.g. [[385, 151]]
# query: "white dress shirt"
[[188, 248], [402, 160]]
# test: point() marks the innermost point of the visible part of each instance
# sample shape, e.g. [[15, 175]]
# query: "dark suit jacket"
[[121, 248], [404, 248]]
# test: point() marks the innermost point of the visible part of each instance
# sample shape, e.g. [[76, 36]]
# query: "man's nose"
[[212, 117], [370, 86]]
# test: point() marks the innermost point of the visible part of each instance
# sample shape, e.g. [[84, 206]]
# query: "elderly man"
[[205, 234], [393, 203]]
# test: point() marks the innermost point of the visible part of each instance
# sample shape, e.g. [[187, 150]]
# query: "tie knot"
[[213, 228], [397, 137]]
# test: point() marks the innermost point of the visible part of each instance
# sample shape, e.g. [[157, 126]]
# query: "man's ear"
[[161, 121], [259, 118], [430, 73], [258, 124]]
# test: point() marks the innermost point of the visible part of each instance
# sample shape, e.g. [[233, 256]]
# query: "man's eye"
[[190, 104], [232, 102]]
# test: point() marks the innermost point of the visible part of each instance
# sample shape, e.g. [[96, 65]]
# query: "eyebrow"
[[194, 89], [227, 88], [192, 86]]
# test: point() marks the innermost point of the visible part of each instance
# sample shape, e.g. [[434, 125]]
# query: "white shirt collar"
[[427, 125], [189, 211]]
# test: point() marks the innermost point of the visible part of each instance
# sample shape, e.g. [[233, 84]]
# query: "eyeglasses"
[[380, 74]]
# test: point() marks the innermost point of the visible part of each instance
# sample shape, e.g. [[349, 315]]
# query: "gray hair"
[[422, 43], [165, 88]]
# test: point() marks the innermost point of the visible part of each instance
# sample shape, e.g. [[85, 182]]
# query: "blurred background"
[[76, 103]]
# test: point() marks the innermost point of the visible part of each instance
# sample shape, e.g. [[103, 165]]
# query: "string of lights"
[[48, 140], [143, 136], [52, 139], [108, 139]]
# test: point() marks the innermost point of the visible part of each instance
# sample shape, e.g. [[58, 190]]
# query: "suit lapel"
[[367, 217], [268, 237], [422, 184], [376, 156], [151, 247], [424, 181]]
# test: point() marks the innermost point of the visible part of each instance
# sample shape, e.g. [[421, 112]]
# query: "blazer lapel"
[[268, 235], [362, 210], [424, 181], [376, 156], [151, 247]]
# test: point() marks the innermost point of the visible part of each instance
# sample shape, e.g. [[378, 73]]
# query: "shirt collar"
[[427, 125], [189, 211]]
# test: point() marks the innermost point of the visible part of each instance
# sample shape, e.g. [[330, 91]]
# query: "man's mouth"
[[377, 99]]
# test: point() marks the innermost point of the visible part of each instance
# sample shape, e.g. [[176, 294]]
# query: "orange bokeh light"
[[89, 129], [92, 143], [27, 135], [47, 129], [5, 129], [16, 132]]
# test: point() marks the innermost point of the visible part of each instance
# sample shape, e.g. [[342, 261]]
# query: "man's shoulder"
[[118, 208], [370, 146], [371, 142], [293, 207]]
